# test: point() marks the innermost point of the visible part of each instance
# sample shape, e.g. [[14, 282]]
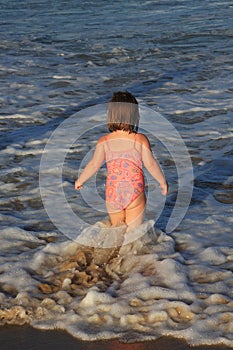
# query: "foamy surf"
[[51, 69], [140, 291]]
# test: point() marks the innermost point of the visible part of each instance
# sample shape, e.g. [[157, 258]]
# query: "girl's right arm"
[[93, 166], [152, 165]]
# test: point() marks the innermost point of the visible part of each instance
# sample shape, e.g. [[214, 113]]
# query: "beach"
[[24, 337], [59, 269]]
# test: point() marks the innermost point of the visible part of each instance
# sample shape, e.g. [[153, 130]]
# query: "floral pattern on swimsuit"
[[125, 179], [125, 182]]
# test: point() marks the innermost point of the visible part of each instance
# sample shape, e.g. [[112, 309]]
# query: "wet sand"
[[25, 337]]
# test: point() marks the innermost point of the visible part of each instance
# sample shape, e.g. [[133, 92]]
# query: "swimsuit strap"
[[135, 138], [106, 138]]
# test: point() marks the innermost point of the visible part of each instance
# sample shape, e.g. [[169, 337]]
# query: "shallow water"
[[176, 57]]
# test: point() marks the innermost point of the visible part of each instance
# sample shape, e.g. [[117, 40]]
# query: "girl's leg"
[[132, 216], [134, 213], [117, 218]]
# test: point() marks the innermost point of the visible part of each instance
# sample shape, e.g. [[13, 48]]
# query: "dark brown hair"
[[123, 112]]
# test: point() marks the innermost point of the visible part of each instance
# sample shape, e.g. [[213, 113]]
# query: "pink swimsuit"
[[125, 180]]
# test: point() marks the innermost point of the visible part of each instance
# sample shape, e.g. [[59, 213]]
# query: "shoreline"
[[25, 337]]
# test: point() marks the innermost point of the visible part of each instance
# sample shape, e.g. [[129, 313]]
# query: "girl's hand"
[[77, 185], [164, 188]]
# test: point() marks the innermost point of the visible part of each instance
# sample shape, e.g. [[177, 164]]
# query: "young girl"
[[125, 151]]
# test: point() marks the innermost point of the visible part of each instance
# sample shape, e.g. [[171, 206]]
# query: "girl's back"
[[122, 145]]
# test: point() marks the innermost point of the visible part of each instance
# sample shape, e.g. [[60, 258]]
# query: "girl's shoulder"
[[101, 140], [141, 138]]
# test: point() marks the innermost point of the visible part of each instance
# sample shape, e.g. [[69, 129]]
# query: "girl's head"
[[123, 112]]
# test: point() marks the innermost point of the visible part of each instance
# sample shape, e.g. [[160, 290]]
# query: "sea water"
[[61, 58]]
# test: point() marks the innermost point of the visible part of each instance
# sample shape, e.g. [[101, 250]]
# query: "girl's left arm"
[[152, 165], [93, 166]]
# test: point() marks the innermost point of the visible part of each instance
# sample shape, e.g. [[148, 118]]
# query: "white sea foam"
[[172, 283], [162, 292], [178, 284]]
